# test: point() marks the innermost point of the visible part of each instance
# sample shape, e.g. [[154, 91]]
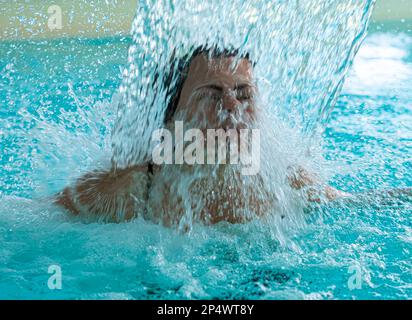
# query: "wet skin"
[[212, 88]]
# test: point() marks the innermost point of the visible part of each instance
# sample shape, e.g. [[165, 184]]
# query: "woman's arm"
[[301, 179], [382, 198], [114, 195]]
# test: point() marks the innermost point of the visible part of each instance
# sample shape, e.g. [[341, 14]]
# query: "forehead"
[[225, 70]]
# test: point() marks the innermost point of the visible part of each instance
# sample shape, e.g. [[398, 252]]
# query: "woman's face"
[[218, 94]]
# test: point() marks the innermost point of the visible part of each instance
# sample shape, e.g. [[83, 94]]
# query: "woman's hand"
[[301, 179]]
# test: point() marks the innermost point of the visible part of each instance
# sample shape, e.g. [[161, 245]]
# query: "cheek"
[[199, 113], [250, 109], [210, 110], [186, 112], [205, 110], [251, 112]]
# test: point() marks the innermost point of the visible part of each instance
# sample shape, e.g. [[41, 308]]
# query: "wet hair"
[[179, 67]]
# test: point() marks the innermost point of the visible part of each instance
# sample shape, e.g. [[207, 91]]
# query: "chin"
[[229, 124]]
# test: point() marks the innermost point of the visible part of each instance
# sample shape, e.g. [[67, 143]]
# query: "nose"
[[230, 103]]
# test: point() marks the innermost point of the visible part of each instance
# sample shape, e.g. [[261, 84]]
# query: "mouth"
[[230, 123]]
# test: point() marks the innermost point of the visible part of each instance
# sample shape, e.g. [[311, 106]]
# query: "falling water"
[[303, 50], [56, 122]]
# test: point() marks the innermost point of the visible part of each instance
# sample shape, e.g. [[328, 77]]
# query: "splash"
[[366, 142], [303, 50]]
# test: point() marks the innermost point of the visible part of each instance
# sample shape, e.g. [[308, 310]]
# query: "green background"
[[99, 18]]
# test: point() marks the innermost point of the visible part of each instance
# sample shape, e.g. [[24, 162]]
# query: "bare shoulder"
[[108, 181], [108, 193]]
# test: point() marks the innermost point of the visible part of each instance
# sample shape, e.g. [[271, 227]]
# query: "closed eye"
[[211, 92], [244, 92]]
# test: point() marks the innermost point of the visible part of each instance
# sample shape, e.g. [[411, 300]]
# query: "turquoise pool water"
[[367, 144]]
